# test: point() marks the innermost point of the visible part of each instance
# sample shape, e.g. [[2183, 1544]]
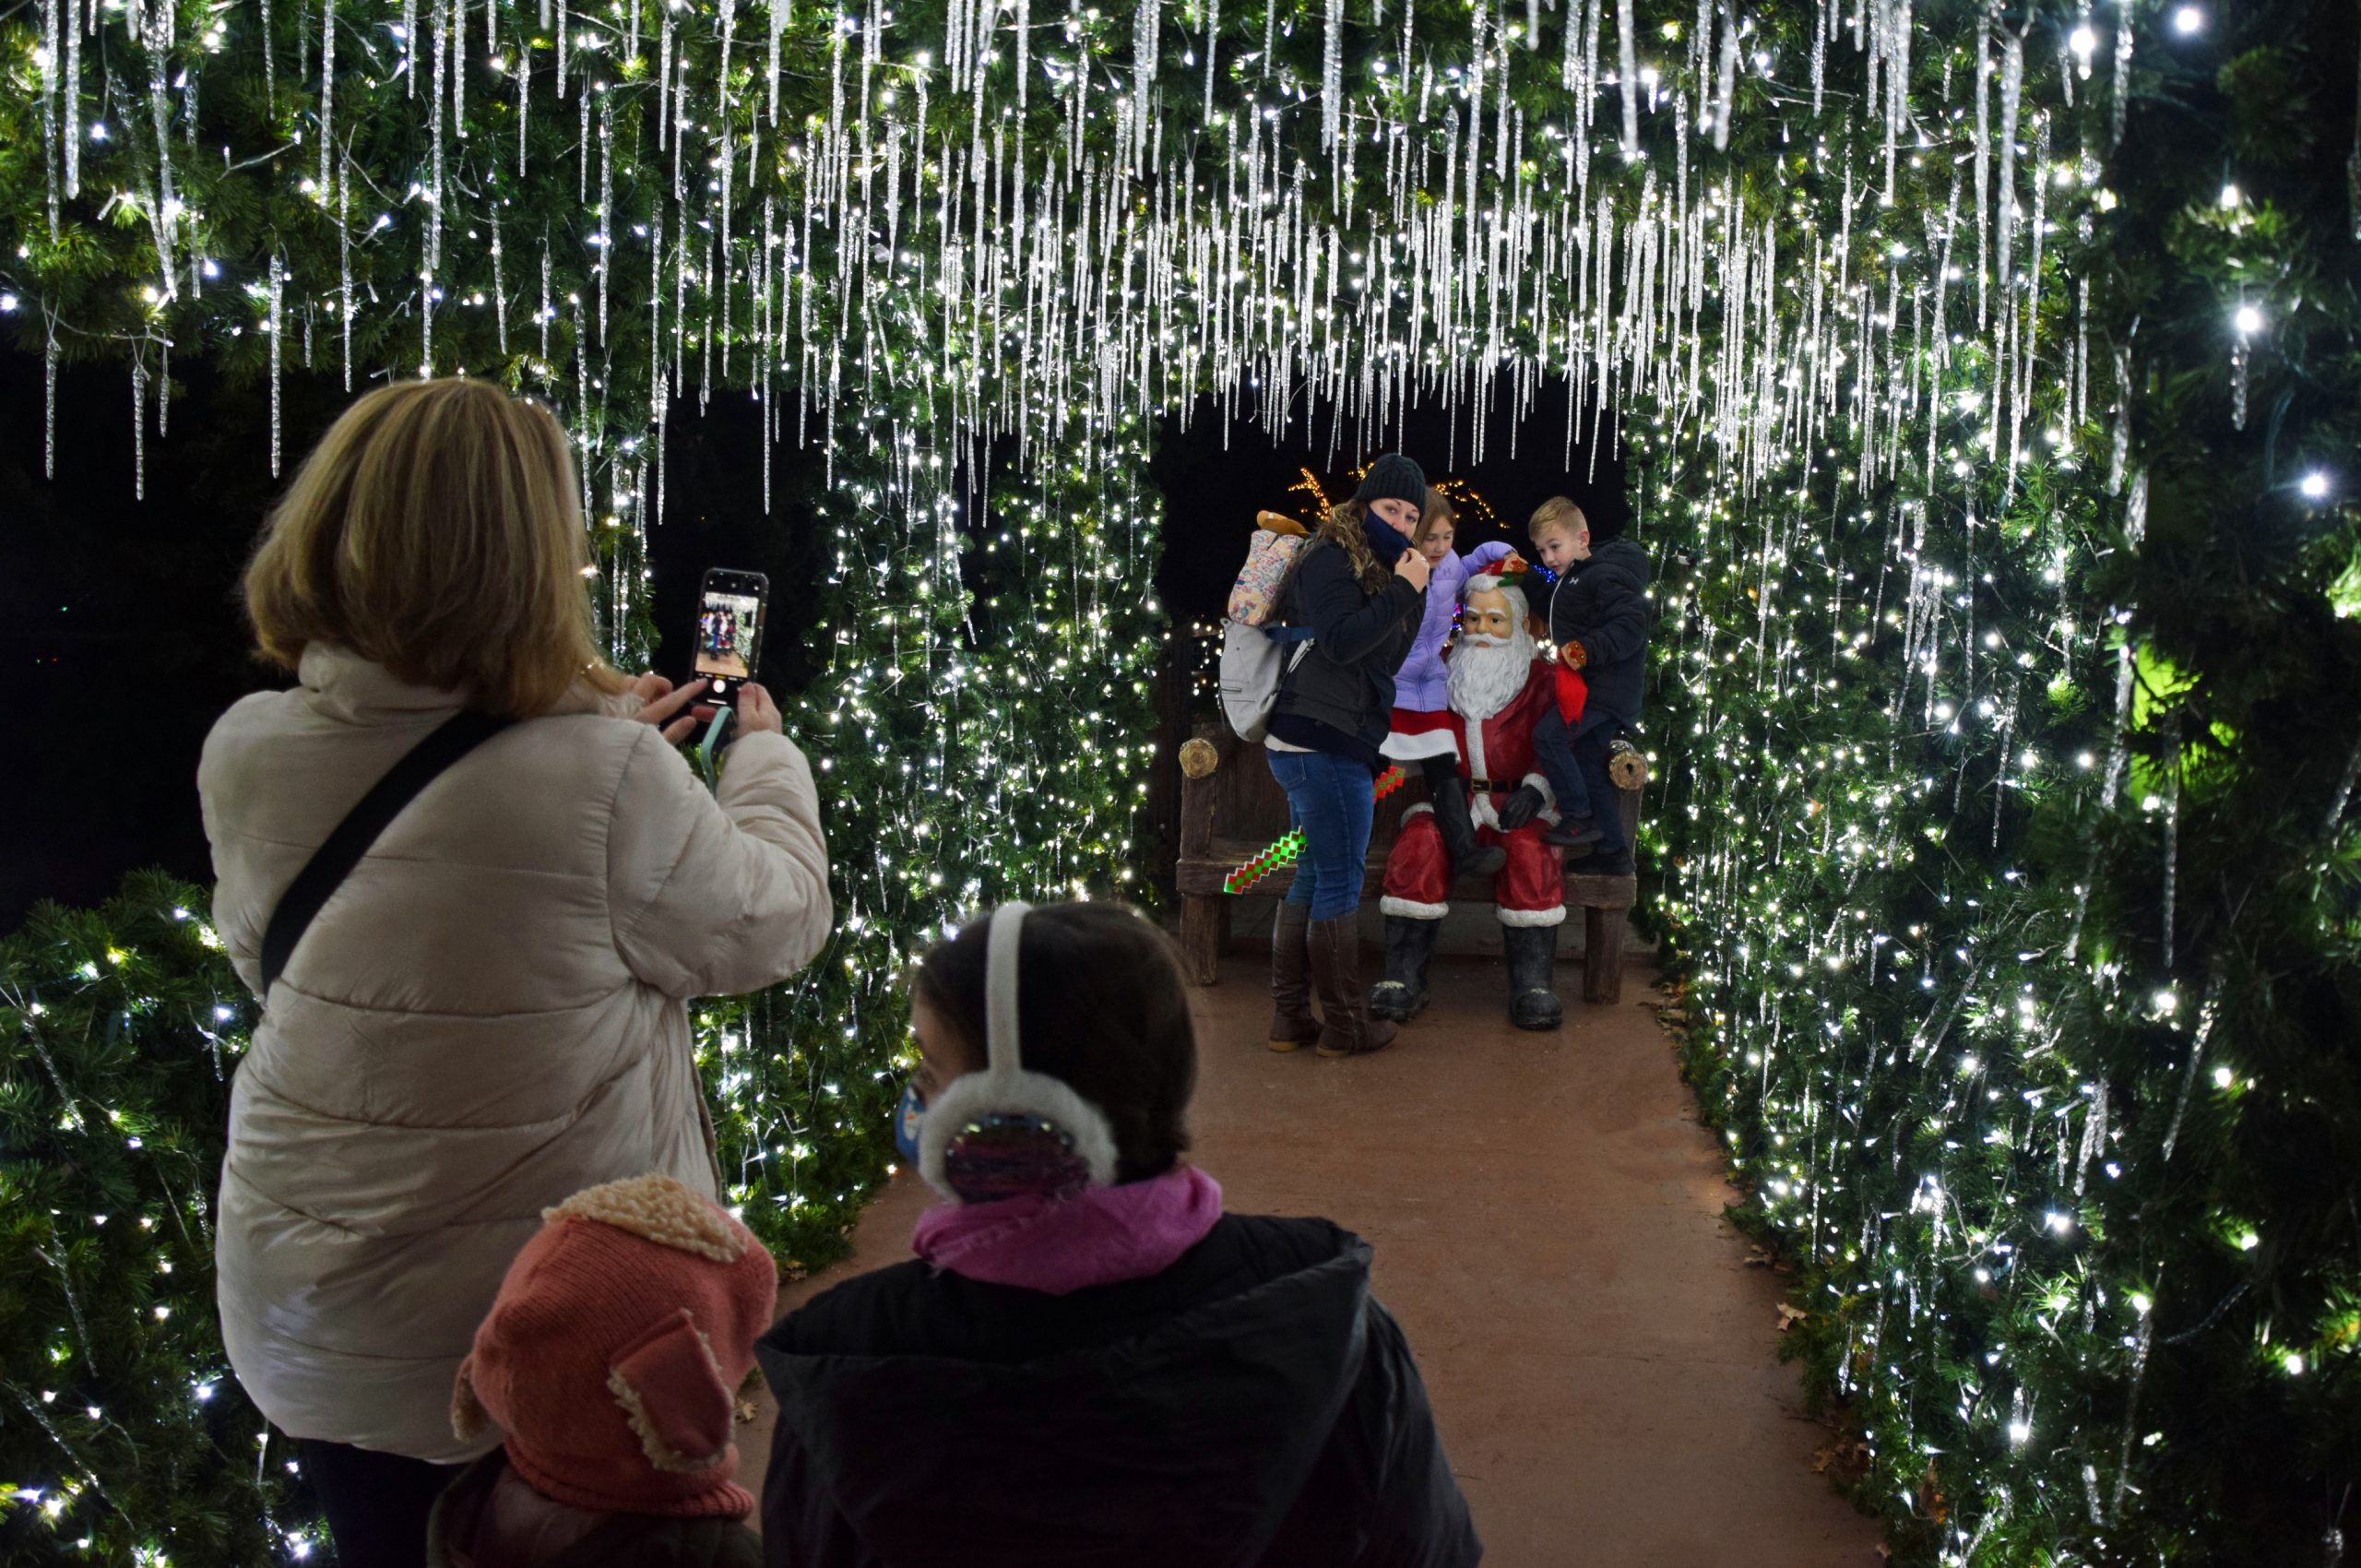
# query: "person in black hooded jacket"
[[1360, 590], [1122, 1376]]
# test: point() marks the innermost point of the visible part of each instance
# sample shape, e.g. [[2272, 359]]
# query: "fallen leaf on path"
[[1789, 1316]]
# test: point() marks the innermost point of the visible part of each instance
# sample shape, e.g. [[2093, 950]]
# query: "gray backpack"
[[1255, 661]]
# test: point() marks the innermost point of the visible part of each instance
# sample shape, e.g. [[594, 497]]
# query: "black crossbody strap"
[[334, 861]]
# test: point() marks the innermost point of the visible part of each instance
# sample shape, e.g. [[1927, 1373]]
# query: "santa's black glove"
[[1520, 808]]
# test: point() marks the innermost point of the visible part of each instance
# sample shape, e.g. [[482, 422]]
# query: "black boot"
[[1532, 952], [1574, 835], [1467, 857], [1292, 1023], [1402, 994]]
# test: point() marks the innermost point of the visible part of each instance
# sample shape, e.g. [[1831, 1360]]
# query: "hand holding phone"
[[661, 704], [731, 610], [753, 712]]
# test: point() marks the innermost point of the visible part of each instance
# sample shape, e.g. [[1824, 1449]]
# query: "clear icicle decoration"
[[2241, 353], [1146, 28], [1725, 79], [48, 61], [70, 96], [139, 426], [1213, 48], [2112, 787], [2343, 793], [49, 403], [2208, 1013], [2172, 837], [2013, 81], [499, 285], [344, 260], [328, 93], [1628, 74], [278, 331], [1984, 166], [1331, 73]]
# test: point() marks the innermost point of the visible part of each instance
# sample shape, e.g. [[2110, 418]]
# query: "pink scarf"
[[1103, 1236]]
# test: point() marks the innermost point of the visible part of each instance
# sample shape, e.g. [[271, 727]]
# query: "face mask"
[[908, 1118]]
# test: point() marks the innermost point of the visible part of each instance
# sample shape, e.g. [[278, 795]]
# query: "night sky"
[[1213, 490]]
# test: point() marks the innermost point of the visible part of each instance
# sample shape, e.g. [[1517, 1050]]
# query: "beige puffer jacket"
[[490, 1016]]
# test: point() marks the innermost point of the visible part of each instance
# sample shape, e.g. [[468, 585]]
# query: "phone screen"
[[729, 630]]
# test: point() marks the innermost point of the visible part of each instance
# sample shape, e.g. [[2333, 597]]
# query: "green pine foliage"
[[124, 1434], [2028, 979]]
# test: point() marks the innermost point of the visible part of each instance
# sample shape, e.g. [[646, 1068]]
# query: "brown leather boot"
[[1337, 972], [1291, 1021]]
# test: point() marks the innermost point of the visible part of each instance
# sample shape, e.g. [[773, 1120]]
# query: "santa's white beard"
[[1487, 673]]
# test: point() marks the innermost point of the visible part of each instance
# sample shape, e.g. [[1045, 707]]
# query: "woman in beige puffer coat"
[[492, 1013]]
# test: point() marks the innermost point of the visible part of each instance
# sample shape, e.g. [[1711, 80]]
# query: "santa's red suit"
[[1495, 760]]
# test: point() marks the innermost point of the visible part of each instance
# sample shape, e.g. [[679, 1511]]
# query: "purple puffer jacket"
[[1420, 685]]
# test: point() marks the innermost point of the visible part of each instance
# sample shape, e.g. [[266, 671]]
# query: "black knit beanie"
[[1393, 478]]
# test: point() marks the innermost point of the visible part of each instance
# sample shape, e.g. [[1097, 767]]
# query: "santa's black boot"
[[1532, 952], [1402, 994], [1467, 857]]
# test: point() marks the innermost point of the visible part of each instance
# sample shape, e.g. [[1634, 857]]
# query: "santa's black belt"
[[1491, 787]]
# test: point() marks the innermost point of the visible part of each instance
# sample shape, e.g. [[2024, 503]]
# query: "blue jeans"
[[1329, 801]]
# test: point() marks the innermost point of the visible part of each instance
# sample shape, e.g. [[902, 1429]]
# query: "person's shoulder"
[[865, 1315], [244, 734], [1273, 1246], [254, 716], [1625, 557], [1320, 556]]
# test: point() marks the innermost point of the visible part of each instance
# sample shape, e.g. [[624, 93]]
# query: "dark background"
[[122, 624], [1215, 478]]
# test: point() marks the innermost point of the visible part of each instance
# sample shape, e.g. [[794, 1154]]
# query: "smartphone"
[[731, 612]]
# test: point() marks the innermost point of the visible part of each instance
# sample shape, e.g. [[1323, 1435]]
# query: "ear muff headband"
[[1003, 1105]]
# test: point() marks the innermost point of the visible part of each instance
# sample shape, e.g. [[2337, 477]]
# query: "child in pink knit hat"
[[612, 1363]]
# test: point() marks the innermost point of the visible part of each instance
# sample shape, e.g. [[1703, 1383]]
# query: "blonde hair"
[[1438, 509], [436, 530], [1557, 515]]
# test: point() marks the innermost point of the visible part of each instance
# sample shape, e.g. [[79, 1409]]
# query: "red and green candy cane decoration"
[[1286, 850]]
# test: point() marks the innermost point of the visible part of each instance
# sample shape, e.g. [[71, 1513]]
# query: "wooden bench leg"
[[1603, 955], [1202, 935]]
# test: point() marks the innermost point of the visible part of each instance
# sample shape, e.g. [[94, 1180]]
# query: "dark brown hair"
[[1101, 1007], [1341, 527]]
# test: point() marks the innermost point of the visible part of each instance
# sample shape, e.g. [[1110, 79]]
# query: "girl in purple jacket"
[[1421, 685]]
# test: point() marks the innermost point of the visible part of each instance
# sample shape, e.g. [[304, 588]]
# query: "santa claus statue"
[[1500, 686]]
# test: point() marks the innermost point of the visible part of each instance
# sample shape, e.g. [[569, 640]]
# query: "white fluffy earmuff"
[[1005, 1087]]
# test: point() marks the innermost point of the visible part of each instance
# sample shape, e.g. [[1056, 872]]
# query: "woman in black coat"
[[1121, 1374], [1361, 590]]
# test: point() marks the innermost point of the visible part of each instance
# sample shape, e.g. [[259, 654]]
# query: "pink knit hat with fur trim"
[[613, 1354]]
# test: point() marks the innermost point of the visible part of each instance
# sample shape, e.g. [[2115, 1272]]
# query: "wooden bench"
[[1231, 810]]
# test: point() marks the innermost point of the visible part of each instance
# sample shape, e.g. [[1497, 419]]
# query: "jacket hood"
[[1208, 1422], [1619, 557]]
